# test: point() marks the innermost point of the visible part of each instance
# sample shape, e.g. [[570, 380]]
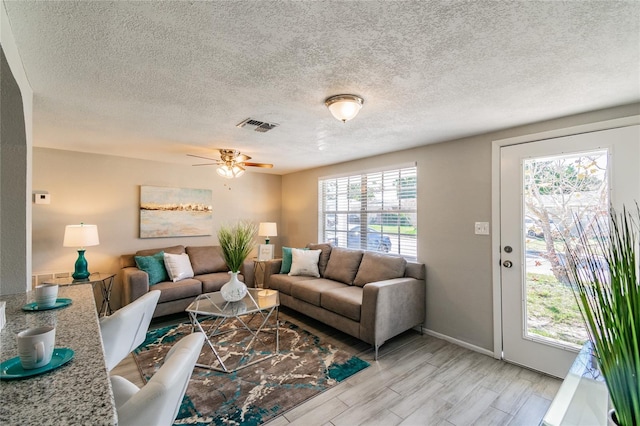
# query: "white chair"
[[157, 403], [127, 328]]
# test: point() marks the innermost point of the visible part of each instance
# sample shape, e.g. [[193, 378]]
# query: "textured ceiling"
[[159, 80]]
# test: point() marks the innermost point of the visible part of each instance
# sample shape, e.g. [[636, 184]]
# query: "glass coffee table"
[[256, 315]]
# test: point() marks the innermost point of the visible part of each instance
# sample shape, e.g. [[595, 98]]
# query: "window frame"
[[371, 200]]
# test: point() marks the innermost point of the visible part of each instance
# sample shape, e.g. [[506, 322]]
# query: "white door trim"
[[495, 203]]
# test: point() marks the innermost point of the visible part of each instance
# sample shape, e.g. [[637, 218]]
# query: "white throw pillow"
[[178, 266], [305, 262]]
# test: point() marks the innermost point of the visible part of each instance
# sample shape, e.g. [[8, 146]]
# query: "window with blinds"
[[371, 211]]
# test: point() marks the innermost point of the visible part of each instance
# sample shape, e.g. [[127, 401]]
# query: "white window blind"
[[371, 211]]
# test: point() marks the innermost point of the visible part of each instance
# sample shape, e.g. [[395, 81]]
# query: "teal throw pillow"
[[287, 259], [154, 266], [285, 268]]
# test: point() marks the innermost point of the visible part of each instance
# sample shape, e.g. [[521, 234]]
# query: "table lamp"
[[81, 236], [267, 229]]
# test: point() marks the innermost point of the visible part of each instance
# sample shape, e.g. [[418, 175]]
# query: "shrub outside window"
[[372, 211]]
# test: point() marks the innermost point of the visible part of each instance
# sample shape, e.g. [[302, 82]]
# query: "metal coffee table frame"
[[212, 306]]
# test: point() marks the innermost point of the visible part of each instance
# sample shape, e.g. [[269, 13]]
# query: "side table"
[[106, 284], [259, 270]]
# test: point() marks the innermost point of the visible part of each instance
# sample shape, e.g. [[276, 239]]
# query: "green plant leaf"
[[609, 301], [237, 243]]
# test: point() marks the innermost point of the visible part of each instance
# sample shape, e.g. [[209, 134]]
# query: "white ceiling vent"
[[256, 125]]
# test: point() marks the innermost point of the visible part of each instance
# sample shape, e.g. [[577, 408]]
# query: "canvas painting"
[[175, 212]]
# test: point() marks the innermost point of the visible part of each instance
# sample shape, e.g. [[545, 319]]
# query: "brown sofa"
[[210, 274], [369, 295]]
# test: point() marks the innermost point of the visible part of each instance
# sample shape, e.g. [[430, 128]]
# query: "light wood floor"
[[417, 380]]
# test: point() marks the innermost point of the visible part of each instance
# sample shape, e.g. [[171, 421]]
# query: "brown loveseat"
[[369, 295], [210, 274]]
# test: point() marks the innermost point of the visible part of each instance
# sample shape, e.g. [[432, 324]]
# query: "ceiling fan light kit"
[[344, 107], [230, 171], [231, 164]]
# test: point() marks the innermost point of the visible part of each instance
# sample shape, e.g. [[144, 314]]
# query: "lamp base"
[[81, 272]]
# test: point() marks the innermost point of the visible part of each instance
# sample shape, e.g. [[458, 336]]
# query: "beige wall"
[[454, 191], [105, 190]]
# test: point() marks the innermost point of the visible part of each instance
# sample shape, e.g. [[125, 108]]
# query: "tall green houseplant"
[[237, 243], [608, 294]]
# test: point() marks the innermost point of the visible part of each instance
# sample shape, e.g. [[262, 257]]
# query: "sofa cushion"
[[378, 267], [154, 267], [178, 266], [285, 266], [345, 301], [305, 262], [207, 259], [180, 290], [215, 280], [343, 264], [310, 290], [324, 256], [283, 282]]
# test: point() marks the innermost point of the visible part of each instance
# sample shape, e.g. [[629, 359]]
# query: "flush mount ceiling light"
[[344, 107]]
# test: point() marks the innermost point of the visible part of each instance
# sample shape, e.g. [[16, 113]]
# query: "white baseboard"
[[458, 342]]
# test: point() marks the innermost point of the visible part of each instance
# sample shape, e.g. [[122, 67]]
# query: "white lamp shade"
[[237, 170], [230, 171], [344, 107], [268, 229], [81, 236], [224, 172]]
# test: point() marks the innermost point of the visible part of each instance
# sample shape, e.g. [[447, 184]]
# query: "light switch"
[[482, 228]]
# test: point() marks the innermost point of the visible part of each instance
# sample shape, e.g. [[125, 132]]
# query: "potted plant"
[[237, 243], [603, 268]]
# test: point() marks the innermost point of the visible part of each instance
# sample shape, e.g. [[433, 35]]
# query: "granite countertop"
[[76, 393]]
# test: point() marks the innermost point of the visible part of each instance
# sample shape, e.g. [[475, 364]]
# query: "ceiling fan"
[[232, 163]]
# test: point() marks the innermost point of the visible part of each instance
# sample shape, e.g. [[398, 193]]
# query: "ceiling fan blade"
[[263, 165], [241, 158], [200, 156], [207, 164]]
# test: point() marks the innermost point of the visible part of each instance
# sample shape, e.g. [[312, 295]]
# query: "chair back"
[[158, 402], [127, 328]]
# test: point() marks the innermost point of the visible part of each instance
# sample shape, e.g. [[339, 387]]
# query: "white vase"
[[234, 290]]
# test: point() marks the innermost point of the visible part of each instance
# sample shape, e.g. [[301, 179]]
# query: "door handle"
[[507, 264]]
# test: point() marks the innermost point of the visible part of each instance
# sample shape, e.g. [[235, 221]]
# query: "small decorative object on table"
[[236, 243], [234, 289], [265, 252]]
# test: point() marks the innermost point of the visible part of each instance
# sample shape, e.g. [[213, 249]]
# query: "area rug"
[[304, 367]]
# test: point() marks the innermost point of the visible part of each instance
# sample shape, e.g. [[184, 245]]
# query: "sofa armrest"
[[272, 267], [390, 307], [135, 283], [247, 271]]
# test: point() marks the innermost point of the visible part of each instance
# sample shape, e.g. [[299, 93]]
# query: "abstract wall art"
[[175, 212]]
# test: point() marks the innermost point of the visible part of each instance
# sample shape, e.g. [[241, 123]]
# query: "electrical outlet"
[[482, 228]]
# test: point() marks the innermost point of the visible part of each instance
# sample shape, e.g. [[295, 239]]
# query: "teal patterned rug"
[[304, 367]]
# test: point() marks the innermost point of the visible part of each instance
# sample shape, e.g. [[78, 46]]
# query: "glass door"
[[548, 189]]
